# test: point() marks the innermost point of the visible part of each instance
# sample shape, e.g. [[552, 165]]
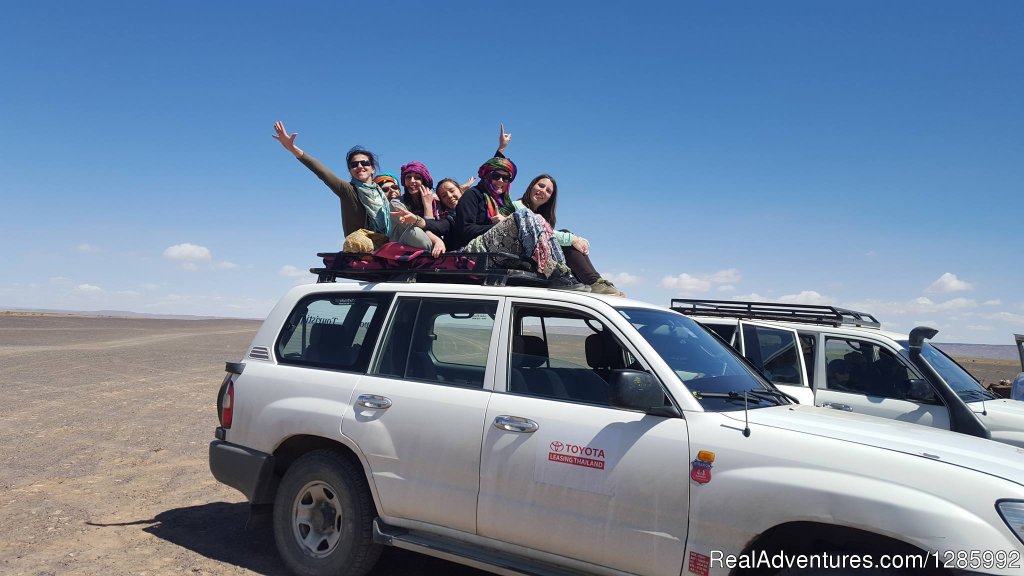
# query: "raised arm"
[[503, 139], [287, 141], [340, 187]]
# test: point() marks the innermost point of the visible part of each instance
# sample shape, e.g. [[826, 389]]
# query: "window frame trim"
[[385, 300], [373, 368], [503, 371]]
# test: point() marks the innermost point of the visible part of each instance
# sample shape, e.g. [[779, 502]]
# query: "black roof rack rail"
[[802, 313], [482, 268]]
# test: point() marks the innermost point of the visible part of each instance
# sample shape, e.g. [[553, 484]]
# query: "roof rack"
[[803, 313], [483, 269]]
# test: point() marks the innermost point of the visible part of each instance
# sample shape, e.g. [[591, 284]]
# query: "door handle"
[[515, 424], [837, 406], [373, 401]]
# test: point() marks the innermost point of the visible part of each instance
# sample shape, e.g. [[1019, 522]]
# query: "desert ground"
[[104, 428]]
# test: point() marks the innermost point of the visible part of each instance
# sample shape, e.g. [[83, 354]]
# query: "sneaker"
[[603, 286], [566, 282]]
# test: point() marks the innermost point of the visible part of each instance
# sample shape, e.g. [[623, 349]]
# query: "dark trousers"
[[580, 265]]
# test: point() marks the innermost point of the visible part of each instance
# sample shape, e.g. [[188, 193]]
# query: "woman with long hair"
[[541, 196]]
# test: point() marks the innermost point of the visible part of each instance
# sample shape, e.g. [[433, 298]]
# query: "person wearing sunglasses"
[[388, 182], [367, 217], [486, 220]]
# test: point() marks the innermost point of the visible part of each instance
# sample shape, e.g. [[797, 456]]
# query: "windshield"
[[710, 370], [958, 379]]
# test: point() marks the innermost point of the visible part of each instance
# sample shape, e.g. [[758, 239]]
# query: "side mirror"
[[636, 390]]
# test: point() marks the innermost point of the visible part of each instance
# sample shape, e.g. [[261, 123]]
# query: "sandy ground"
[[104, 428]]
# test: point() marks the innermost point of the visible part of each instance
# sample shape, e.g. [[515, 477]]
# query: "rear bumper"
[[251, 472]]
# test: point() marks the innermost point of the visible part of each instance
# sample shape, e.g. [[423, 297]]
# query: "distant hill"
[[985, 351], [109, 314]]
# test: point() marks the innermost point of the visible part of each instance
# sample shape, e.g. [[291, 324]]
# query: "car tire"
[[323, 517]]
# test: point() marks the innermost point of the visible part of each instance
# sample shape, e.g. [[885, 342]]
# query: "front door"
[[562, 470], [868, 378]]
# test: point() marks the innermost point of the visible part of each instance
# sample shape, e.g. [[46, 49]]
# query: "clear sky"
[[863, 154]]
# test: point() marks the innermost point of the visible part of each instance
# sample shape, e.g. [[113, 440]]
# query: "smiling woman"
[[366, 210]]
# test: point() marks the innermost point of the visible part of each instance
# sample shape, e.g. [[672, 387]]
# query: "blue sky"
[[862, 154]]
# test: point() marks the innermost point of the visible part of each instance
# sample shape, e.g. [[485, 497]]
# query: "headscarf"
[[498, 199], [415, 167], [379, 179]]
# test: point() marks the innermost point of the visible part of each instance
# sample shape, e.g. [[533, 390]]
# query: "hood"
[[1004, 418], [994, 458]]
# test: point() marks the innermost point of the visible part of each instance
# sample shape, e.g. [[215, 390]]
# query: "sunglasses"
[[500, 177], [389, 187], [365, 163]]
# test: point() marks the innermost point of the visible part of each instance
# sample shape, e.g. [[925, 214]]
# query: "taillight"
[[227, 405]]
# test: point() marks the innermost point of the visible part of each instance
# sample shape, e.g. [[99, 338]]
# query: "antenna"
[[746, 420]]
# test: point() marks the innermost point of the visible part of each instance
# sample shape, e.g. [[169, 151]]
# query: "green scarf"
[[378, 209]]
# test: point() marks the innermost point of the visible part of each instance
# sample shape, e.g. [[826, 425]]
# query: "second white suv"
[[842, 359]]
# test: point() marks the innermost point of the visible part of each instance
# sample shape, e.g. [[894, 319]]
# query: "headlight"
[[1012, 512]]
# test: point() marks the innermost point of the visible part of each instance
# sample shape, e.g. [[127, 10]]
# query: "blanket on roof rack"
[[396, 262]]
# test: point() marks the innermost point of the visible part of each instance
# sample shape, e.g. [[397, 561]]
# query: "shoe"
[[602, 286], [566, 282]]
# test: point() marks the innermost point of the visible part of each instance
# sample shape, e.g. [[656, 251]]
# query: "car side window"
[[774, 352], [865, 368], [332, 331], [563, 355], [726, 331], [439, 340]]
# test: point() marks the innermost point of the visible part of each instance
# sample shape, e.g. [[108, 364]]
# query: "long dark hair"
[[547, 210]]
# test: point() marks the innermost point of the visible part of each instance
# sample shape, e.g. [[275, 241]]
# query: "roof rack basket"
[[803, 313], [483, 268]]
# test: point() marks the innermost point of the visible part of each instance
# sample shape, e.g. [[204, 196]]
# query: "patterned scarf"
[[378, 212], [498, 200]]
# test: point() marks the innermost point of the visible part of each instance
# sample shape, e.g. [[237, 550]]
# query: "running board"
[[462, 553]]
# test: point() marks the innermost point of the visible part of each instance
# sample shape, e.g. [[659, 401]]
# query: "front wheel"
[[323, 517]]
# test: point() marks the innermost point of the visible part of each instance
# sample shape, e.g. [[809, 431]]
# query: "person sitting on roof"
[[389, 184], [487, 221], [366, 213], [448, 193]]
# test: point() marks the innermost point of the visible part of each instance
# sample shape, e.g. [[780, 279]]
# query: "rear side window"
[[333, 331], [439, 340]]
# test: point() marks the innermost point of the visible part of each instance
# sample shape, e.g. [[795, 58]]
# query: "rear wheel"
[[323, 517]]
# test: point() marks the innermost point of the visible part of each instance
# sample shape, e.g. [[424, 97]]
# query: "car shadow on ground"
[[217, 531]]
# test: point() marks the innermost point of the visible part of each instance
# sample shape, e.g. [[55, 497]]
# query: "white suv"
[[524, 430], [841, 359]]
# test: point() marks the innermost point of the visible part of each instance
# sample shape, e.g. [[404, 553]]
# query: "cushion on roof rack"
[[395, 256]]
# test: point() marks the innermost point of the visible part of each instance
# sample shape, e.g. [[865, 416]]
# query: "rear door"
[[776, 352], [417, 415], [867, 377]]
